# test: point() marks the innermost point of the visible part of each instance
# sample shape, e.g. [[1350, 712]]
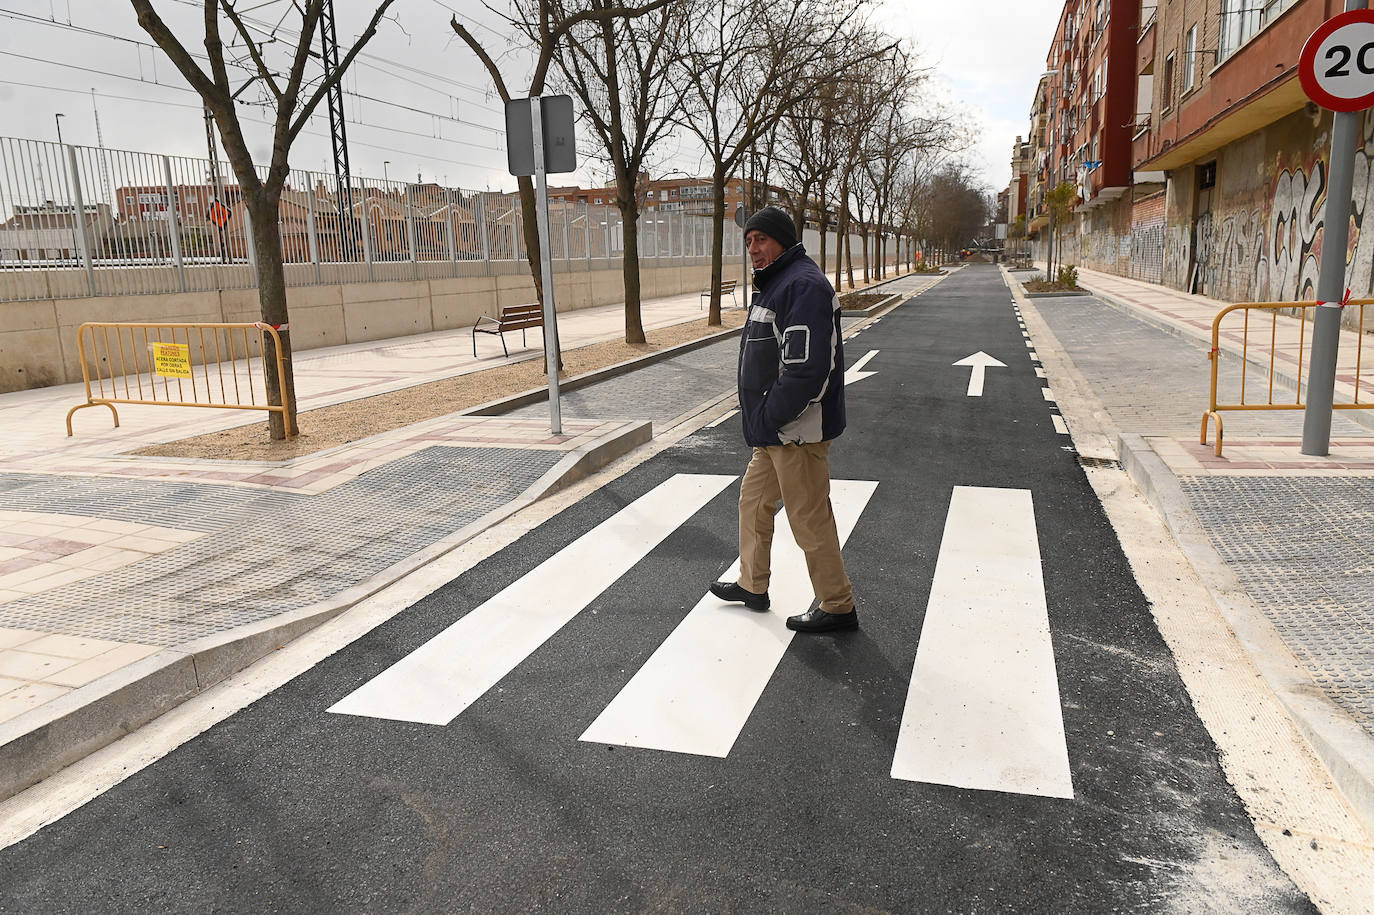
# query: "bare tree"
[[545, 24], [293, 95], [747, 64], [619, 69], [959, 207]]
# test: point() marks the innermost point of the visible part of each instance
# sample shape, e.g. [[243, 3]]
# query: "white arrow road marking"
[[437, 681], [981, 362], [695, 692], [983, 707], [854, 372]]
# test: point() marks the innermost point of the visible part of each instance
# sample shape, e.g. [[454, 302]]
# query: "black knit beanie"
[[774, 222]]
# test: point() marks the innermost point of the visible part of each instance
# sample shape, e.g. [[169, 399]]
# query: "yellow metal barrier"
[[215, 361], [1269, 336]]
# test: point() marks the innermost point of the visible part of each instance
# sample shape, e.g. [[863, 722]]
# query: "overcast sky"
[[419, 102]]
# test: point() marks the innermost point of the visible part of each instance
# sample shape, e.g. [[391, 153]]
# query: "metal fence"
[[82, 221]]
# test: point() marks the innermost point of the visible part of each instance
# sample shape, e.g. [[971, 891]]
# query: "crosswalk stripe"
[[696, 692], [982, 710], [437, 681]]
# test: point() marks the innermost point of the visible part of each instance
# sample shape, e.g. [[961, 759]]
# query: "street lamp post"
[[57, 119], [385, 176]]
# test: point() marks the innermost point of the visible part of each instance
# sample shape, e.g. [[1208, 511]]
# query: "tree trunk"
[[530, 216], [840, 229], [717, 243], [824, 224], [262, 208], [849, 249], [1049, 251], [634, 325]]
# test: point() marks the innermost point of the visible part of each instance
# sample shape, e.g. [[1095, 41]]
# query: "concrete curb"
[[69, 728], [1344, 747]]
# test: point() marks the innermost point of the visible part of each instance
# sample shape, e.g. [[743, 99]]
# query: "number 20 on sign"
[[1337, 63]]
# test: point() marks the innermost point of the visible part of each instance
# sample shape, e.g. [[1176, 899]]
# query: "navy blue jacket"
[[791, 357]]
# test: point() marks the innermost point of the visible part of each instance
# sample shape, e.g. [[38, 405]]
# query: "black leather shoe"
[[732, 591], [817, 620]]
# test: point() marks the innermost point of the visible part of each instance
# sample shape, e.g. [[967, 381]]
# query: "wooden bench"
[[513, 317], [727, 287]]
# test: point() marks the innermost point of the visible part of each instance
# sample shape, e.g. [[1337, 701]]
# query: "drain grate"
[[1087, 461]]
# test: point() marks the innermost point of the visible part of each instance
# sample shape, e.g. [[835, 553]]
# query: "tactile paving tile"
[[658, 392], [264, 553], [1156, 383], [1314, 579], [911, 283]]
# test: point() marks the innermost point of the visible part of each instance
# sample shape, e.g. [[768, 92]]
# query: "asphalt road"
[[287, 806]]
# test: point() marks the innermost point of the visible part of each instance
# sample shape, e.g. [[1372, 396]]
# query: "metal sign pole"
[[1326, 325], [551, 355]]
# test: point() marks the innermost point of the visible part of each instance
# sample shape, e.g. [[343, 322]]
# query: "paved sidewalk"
[[1286, 537], [129, 583]]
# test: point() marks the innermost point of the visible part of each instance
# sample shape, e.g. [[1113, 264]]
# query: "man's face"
[[763, 249]]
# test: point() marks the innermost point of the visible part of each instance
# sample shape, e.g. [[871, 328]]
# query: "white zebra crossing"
[[698, 689], [437, 681], [982, 710]]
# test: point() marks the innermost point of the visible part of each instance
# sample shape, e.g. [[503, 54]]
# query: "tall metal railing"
[[83, 221]]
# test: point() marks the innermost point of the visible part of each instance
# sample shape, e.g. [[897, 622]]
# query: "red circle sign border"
[[1307, 63]]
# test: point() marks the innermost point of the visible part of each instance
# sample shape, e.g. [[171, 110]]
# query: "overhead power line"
[[248, 69]]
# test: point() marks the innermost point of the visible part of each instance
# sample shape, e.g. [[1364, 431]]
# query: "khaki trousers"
[[799, 476]]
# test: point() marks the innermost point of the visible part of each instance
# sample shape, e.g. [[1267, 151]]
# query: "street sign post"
[[741, 217], [539, 140], [1336, 69]]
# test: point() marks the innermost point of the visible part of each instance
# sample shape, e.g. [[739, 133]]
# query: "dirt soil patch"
[[861, 301], [1039, 285], [339, 424]]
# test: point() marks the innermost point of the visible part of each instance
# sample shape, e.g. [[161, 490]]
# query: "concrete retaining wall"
[[38, 338]]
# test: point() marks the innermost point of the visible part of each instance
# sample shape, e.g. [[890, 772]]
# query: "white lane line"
[[717, 422], [696, 691], [983, 707], [1029, 344], [1039, 372], [437, 681], [1048, 394], [1059, 425], [1035, 357]]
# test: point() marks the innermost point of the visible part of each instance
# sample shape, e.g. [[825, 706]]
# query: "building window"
[[1242, 18], [598, 201], [1167, 98], [1190, 59], [1207, 176]]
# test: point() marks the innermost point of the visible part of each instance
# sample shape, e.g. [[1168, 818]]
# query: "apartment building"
[[1243, 150], [1227, 157], [1082, 121]]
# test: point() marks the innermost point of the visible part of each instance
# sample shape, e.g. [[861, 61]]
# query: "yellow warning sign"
[[172, 360]]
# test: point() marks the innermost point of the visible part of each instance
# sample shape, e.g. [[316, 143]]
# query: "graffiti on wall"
[[1296, 213], [1236, 257]]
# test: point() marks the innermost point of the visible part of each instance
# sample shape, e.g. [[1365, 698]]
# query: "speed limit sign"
[[1337, 63]]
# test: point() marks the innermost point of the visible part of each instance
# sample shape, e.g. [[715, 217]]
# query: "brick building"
[[1227, 157]]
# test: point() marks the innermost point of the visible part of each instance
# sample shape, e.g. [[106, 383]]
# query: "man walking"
[[791, 394]]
